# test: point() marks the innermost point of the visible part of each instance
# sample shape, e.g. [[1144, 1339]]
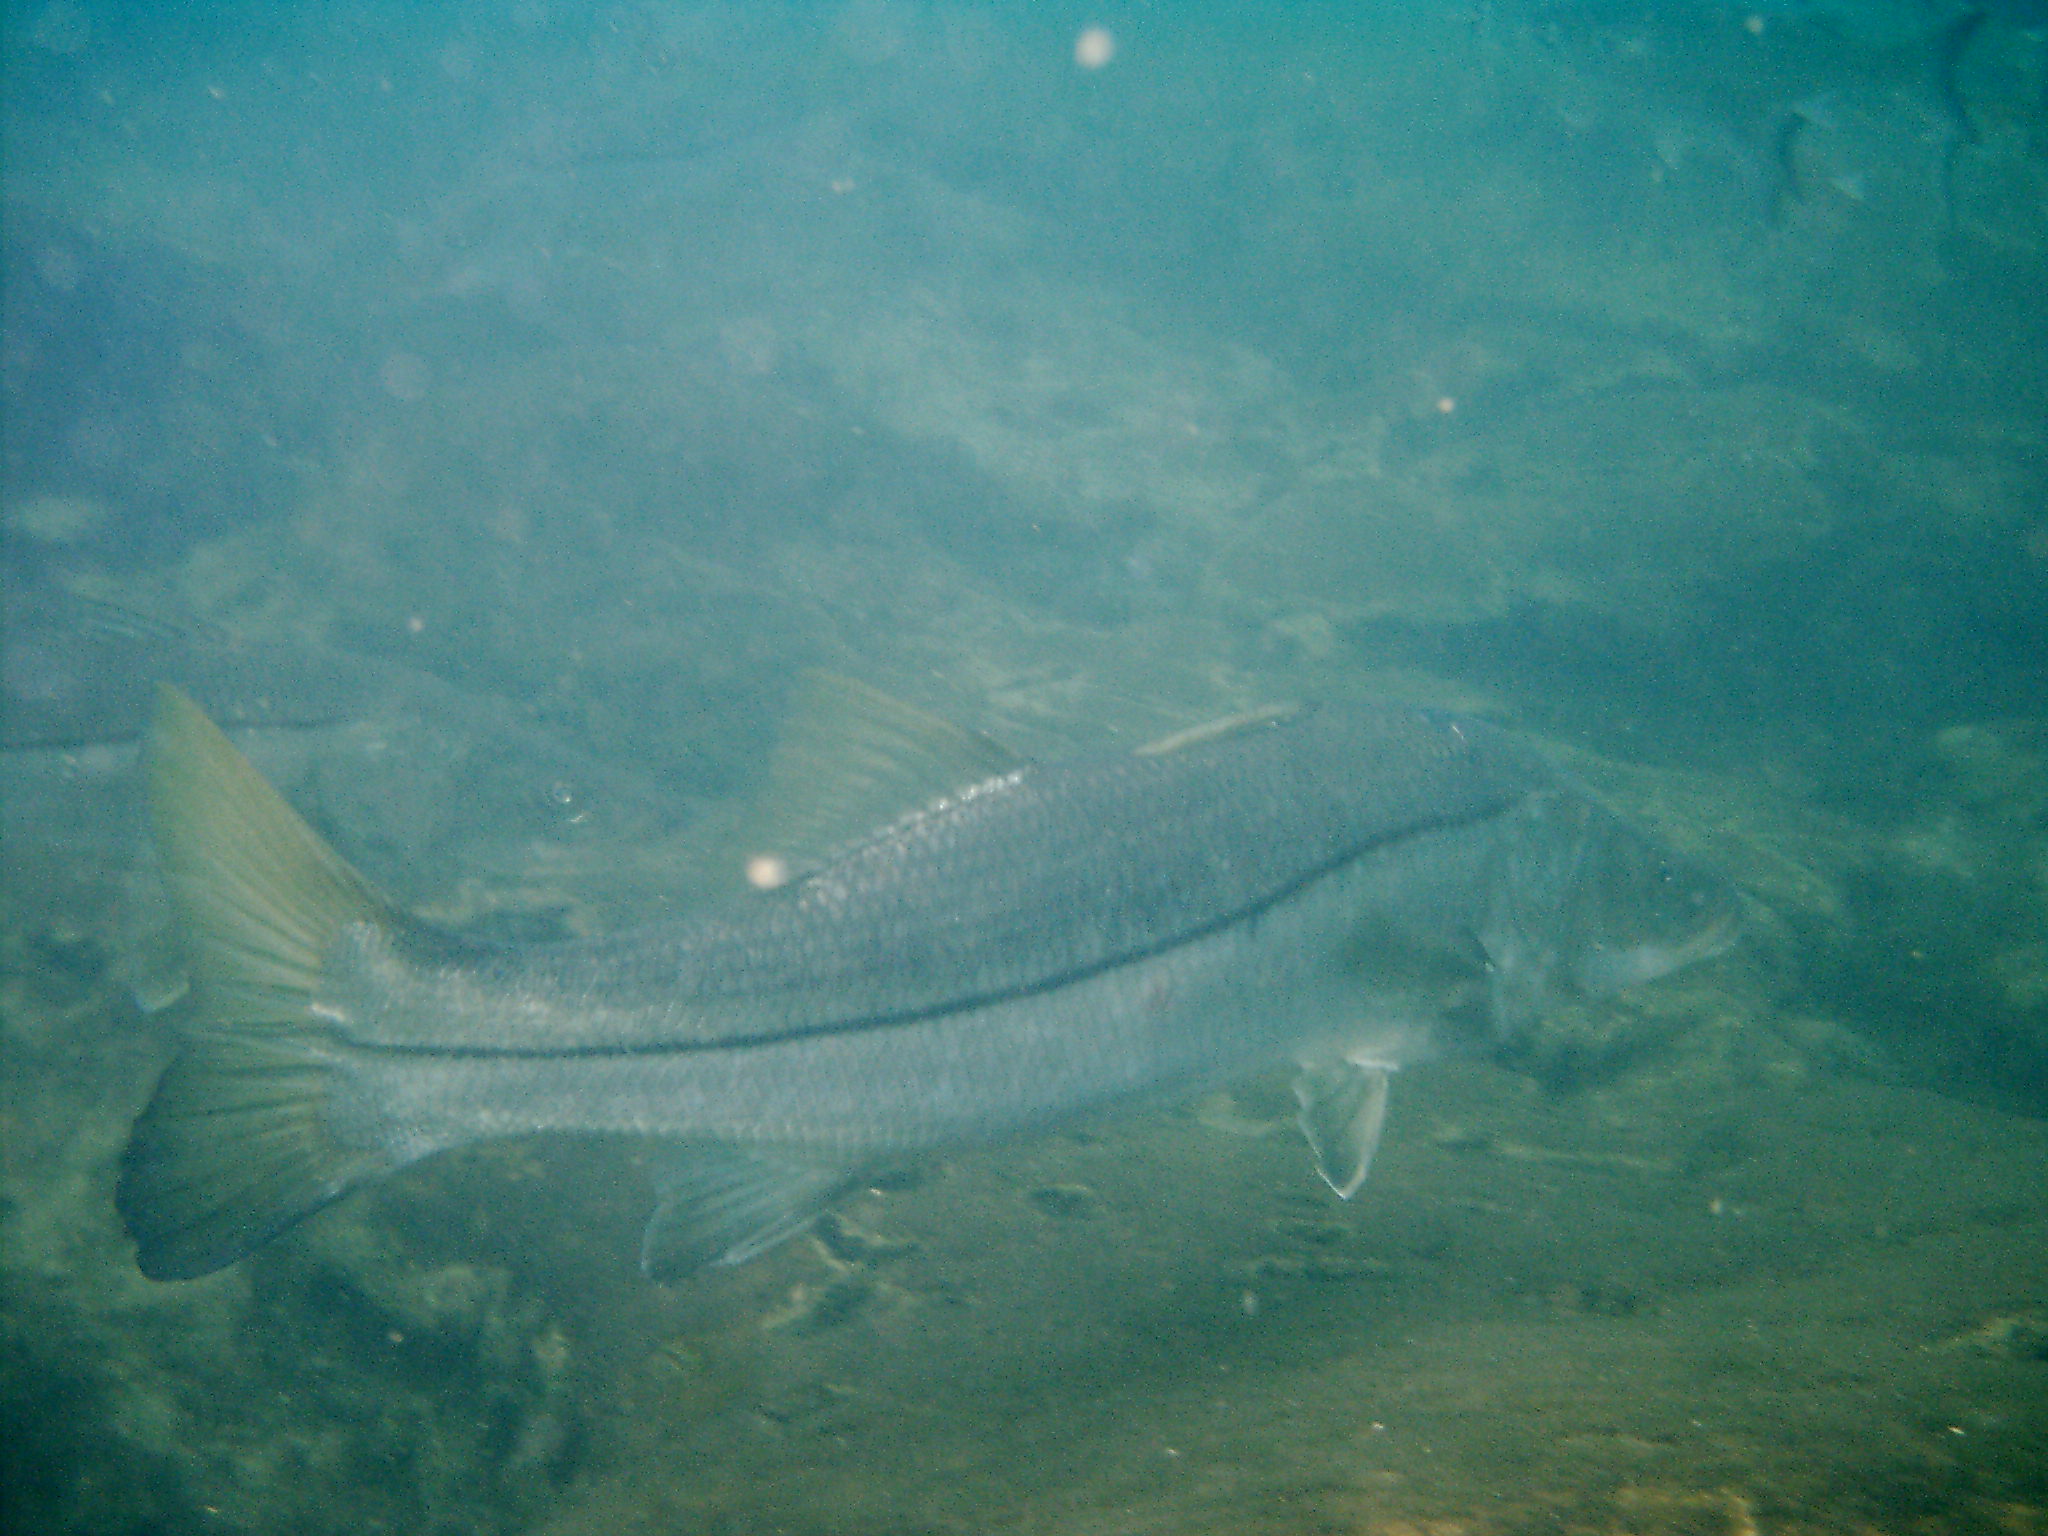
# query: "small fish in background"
[[1957, 132], [139, 391], [1938, 51], [78, 671], [1788, 130], [1349, 888], [76, 693]]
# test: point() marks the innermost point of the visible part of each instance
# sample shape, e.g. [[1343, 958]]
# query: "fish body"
[[1346, 888]]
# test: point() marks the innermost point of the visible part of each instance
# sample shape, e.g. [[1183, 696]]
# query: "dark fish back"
[[1043, 877]]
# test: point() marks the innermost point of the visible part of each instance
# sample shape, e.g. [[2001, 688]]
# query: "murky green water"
[[505, 405]]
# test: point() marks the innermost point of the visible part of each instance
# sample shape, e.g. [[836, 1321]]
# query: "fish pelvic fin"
[[237, 1144], [1343, 1110]]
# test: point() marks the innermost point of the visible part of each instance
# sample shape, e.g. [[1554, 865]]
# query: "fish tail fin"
[[237, 1144]]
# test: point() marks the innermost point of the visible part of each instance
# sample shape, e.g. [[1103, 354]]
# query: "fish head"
[[1587, 904], [1644, 912]]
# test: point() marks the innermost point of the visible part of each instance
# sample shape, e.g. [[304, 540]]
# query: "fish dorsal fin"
[[1216, 730], [1343, 1111], [851, 759]]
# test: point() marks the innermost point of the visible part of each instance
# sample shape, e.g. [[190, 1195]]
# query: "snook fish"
[[1346, 888]]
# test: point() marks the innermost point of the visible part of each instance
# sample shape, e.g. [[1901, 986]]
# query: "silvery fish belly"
[[1343, 888]]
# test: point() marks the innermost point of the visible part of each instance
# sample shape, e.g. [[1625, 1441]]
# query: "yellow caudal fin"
[[236, 1144]]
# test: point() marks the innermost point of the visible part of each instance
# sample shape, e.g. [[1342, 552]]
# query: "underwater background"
[[493, 410]]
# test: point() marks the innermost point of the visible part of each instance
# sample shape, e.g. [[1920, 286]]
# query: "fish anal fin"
[[722, 1205], [1343, 1111]]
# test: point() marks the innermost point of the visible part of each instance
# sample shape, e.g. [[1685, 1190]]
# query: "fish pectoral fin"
[[722, 1205], [1343, 1110]]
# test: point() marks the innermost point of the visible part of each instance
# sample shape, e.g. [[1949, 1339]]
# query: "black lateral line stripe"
[[964, 1004]]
